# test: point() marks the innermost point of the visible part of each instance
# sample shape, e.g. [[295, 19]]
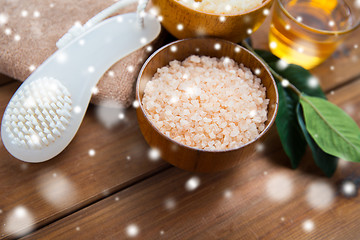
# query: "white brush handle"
[[78, 29]]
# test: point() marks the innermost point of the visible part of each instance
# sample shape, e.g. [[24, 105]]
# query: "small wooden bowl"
[[195, 23], [190, 158]]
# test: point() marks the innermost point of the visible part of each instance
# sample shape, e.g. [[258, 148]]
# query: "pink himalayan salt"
[[207, 103]]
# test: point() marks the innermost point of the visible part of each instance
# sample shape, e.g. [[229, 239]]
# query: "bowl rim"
[[263, 132], [225, 15]]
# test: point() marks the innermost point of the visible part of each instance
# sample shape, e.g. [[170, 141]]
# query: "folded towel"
[[30, 29]]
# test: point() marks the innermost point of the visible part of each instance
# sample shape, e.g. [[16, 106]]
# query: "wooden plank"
[[261, 199], [74, 179], [340, 68]]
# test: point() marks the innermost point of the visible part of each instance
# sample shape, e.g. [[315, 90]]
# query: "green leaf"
[[267, 56], [327, 163], [331, 128], [288, 128], [297, 75], [301, 78]]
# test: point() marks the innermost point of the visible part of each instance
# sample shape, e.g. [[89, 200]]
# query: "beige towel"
[[29, 30]]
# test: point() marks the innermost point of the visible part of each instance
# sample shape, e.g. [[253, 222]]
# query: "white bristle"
[[38, 114]]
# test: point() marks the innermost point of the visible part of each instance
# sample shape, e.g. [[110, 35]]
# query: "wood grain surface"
[[78, 196], [261, 199], [74, 178]]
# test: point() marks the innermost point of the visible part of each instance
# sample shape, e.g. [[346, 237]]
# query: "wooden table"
[[117, 192]]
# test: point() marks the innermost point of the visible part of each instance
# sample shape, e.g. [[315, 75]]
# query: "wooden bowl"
[[195, 23], [190, 158]]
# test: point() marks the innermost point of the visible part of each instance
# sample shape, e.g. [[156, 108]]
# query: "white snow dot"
[[348, 188], [313, 82], [61, 57], [282, 64], [154, 154], [149, 48], [300, 49], [20, 212], [77, 228], [249, 31], [1, 211], [173, 48], [51, 5], [196, 4], [197, 49], [36, 14], [91, 69], [332, 68], [95, 90], [119, 19], [111, 73], [35, 139], [285, 83], [299, 18], [81, 42], [260, 147], [227, 194], [7, 31], [128, 158], [19, 222], [170, 203], [217, 46], [226, 61], [273, 45], [180, 27], [17, 37], [3, 19], [266, 173], [130, 68], [132, 230], [356, 46], [252, 113], [32, 68], [279, 187], [331, 23], [222, 18], [332, 92], [257, 71], [121, 116], [162, 232], [228, 7], [136, 104], [117, 199], [24, 13], [287, 27], [266, 12], [154, 11], [174, 99], [192, 184], [357, 3], [320, 195], [237, 49], [160, 18], [77, 109], [54, 175], [91, 152], [143, 40], [308, 226]]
